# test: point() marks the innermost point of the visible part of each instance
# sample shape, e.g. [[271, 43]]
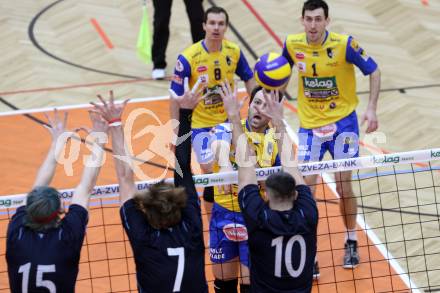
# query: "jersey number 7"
[[180, 253]]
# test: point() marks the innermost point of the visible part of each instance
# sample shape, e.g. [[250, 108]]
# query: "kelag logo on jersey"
[[320, 87], [435, 154], [235, 232]]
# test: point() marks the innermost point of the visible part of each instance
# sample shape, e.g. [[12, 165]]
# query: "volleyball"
[[272, 71]]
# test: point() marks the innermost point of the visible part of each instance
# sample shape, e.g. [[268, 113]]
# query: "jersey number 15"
[[41, 269]]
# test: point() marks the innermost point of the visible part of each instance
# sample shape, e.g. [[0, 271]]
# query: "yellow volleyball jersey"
[[213, 68], [327, 83], [266, 151]]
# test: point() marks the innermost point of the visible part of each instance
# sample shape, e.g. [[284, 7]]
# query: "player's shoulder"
[[338, 38], [296, 39], [193, 51], [230, 46]]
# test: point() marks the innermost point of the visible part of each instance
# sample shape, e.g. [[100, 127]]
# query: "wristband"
[[114, 122]]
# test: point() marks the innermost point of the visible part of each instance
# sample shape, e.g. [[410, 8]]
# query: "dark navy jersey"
[[282, 244], [48, 261], [170, 260]]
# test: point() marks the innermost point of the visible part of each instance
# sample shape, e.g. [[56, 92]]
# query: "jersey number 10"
[[278, 243]]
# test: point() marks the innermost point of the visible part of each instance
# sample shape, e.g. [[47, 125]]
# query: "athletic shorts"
[[341, 139], [227, 236], [202, 139]]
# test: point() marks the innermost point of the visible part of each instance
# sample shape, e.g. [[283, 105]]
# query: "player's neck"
[[280, 206], [318, 42], [213, 45]]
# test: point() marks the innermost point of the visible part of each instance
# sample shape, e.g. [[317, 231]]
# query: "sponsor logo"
[[386, 159], [332, 64], [320, 83], [325, 131], [302, 66], [202, 68], [177, 79], [364, 55], [300, 56], [320, 87], [216, 253], [5, 203], [266, 173], [435, 154], [105, 190], [330, 53], [179, 66], [228, 60], [407, 158], [354, 45], [235, 232], [195, 55], [325, 166], [204, 78], [201, 181]]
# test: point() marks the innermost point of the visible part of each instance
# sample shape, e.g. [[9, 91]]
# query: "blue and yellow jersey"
[[212, 68], [266, 151], [327, 83]]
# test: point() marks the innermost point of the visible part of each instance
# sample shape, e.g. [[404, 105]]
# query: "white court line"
[[78, 106], [366, 228], [85, 106]]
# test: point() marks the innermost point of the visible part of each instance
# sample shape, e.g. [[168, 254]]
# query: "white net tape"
[[108, 191]]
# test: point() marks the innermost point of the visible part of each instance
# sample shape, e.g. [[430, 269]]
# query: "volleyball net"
[[398, 227]]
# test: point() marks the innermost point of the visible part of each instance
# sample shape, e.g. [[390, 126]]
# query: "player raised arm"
[[112, 113], [245, 156], [274, 111], [82, 192], [186, 103], [57, 127]]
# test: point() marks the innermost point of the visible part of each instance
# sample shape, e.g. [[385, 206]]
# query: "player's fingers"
[[99, 107], [66, 114], [48, 118], [112, 98], [228, 86], [196, 86], [173, 94], [201, 97], [124, 103], [185, 84], [55, 115], [242, 102], [102, 100]]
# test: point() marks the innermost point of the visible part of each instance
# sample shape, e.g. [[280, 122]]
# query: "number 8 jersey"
[[212, 68], [327, 83]]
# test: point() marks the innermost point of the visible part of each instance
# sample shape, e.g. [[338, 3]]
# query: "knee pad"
[[229, 286], [208, 194], [245, 288]]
